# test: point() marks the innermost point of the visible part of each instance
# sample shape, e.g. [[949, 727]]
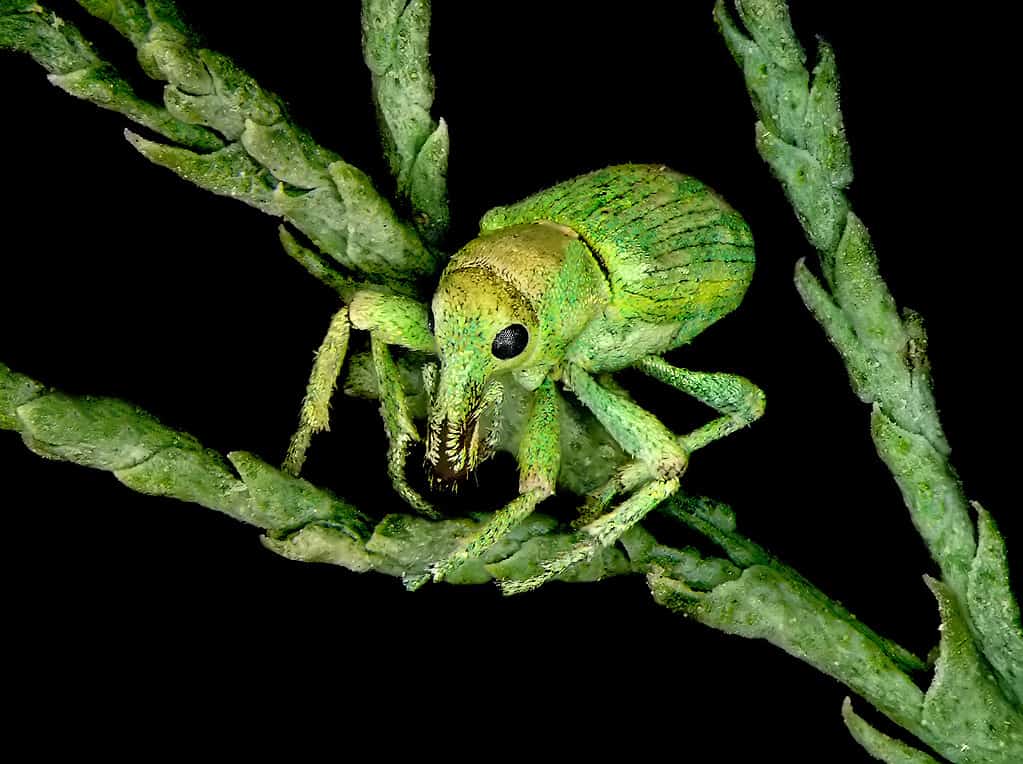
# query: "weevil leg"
[[395, 320], [625, 479], [638, 431], [401, 432], [643, 436], [738, 400], [315, 413], [539, 460]]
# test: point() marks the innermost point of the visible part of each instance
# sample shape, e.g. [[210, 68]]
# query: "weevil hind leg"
[[738, 400]]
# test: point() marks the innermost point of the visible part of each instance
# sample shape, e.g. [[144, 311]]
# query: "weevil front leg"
[[539, 460], [738, 400], [395, 320], [315, 414]]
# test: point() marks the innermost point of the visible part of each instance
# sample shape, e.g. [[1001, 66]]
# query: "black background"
[[119, 279]]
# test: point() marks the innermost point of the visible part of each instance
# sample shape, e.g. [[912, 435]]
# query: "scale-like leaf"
[[965, 710], [993, 608], [880, 745]]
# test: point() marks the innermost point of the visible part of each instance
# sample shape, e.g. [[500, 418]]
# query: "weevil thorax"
[[508, 303]]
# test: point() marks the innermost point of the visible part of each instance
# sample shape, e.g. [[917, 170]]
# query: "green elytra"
[[603, 272]]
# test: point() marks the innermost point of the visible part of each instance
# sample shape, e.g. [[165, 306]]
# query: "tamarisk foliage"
[[259, 156], [395, 35], [972, 710]]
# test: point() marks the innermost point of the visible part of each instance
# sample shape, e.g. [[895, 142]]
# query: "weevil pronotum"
[[600, 273]]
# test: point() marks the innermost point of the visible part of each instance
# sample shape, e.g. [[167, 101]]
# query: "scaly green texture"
[[636, 217]]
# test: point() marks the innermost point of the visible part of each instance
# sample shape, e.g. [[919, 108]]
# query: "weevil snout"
[[463, 428]]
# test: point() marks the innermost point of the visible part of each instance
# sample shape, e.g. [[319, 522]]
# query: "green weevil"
[[604, 272]]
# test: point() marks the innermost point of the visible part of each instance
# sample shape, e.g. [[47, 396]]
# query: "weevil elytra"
[[603, 272]]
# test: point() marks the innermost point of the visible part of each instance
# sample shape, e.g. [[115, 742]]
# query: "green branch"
[[747, 592], [395, 45], [800, 135], [74, 67], [259, 156], [302, 521]]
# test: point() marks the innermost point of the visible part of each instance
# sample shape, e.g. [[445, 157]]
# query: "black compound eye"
[[510, 341]]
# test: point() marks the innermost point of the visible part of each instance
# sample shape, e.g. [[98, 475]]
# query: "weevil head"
[[508, 302], [484, 329]]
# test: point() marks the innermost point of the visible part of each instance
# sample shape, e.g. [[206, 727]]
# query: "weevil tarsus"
[[599, 534]]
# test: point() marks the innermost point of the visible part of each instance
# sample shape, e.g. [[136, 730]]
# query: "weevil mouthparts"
[[449, 451], [454, 447]]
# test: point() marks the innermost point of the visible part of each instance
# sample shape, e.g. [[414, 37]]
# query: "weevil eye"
[[510, 341]]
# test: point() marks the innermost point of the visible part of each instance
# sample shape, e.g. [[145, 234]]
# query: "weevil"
[[600, 273]]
